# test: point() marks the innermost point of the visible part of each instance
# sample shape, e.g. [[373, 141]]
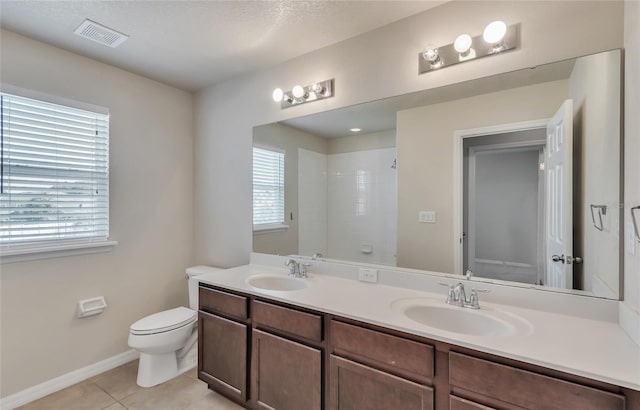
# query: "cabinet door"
[[222, 355], [285, 375], [357, 387], [458, 403]]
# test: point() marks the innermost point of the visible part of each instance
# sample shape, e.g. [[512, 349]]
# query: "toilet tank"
[[192, 276]]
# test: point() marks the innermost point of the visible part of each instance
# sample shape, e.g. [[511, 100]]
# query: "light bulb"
[[298, 91], [278, 94], [318, 89], [355, 129], [463, 43], [494, 32], [431, 53]]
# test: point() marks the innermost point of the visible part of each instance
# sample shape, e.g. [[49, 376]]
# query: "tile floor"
[[117, 390]]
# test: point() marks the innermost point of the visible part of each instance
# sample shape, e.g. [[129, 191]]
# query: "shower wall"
[[362, 206], [358, 212]]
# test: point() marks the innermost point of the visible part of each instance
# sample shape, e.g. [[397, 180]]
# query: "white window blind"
[[268, 187], [55, 179]]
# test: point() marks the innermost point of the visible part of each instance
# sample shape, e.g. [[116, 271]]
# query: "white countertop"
[[595, 349]]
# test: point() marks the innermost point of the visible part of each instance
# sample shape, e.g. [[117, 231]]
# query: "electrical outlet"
[[368, 275], [427, 217]]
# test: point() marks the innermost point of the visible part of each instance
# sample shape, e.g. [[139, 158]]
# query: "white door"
[[559, 190]]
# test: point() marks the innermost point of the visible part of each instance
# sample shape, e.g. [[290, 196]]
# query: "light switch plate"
[[368, 275], [427, 217], [630, 239]]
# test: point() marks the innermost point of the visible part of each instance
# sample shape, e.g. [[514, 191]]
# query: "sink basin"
[[483, 322], [276, 282]]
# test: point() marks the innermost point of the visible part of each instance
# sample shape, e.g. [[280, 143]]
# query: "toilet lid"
[[164, 321]]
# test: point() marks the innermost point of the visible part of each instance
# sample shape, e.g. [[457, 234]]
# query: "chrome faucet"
[[457, 296], [297, 269]]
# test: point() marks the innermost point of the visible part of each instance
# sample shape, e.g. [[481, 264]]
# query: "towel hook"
[[635, 223], [602, 210]]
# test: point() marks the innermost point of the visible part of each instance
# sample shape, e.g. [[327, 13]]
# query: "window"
[[268, 189], [54, 182]]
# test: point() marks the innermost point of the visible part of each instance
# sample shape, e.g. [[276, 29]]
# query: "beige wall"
[[631, 308], [376, 65], [593, 86], [289, 140], [425, 157], [151, 192], [362, 142]]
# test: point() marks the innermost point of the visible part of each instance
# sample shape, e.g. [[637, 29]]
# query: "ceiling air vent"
[[100, 34]]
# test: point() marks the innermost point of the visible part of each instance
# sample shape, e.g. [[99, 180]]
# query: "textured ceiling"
[[193, 44]]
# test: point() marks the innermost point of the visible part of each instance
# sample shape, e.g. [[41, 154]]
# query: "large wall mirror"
[[515, 178]]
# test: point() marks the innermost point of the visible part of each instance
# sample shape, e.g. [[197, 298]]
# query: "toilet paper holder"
[[90, 307]]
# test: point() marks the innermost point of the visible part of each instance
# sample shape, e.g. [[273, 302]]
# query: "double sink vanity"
[[268, 340]]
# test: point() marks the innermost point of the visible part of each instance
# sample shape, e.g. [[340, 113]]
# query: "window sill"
[[32, 252], [269, 228]]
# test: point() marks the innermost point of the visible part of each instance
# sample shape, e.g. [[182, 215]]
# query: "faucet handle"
[[294, 267], [451, 293], [303, 269], [474, 303]]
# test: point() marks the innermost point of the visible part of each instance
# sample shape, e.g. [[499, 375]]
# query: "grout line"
[[100, 387]]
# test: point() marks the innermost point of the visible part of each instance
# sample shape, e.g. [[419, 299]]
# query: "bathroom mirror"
[[514, 177]]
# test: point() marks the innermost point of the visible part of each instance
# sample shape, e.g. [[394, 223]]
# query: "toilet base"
[[154, 369]]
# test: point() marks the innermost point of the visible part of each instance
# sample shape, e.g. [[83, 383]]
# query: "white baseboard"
[[630, 322], [51, 386]]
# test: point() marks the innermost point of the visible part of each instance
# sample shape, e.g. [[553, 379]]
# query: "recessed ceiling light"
[[355, 129]]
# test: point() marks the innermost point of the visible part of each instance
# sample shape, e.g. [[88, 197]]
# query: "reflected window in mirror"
[[268, 189]]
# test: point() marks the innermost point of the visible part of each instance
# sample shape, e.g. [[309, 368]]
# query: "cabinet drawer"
[[291, 321], [213, 300], [524, 388], [391, 353]]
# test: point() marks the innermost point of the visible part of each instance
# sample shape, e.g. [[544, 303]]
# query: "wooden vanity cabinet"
[[223, 348], [270, 355], [287, 358]]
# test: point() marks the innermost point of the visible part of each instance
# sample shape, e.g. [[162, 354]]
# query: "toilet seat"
[[164, 321]]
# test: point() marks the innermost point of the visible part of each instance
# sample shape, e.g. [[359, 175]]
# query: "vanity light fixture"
[[496, 39], [300, 95], [355, 129]]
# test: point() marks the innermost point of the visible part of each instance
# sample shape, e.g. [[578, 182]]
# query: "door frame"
[[511, 147], [458, 175]]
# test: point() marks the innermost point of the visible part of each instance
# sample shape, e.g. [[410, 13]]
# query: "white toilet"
[[167, 341]]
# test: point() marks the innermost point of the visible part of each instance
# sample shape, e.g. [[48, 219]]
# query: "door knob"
[[568, 259], [574, 259]]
